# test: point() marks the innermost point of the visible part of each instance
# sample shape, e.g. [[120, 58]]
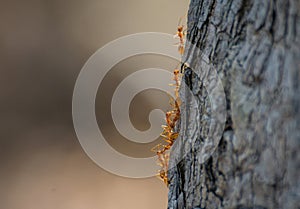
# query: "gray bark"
[[254, 45]]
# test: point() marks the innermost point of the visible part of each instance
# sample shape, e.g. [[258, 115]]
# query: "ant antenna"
[[180, 19]]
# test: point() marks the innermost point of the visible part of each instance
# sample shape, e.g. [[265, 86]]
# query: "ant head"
[[162, 173], [176, 72], [180, 28]]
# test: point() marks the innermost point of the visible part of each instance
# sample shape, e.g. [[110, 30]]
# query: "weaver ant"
[[169, 134], [181, 35]]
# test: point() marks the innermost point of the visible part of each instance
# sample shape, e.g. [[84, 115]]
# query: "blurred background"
[[43, 46]]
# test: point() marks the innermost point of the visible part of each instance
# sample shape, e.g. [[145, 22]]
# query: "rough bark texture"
[[254, 45]]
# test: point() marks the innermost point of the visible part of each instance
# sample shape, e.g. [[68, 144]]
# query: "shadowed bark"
[[254, 46]]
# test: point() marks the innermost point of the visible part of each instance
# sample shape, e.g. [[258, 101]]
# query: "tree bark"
[[254, 46]]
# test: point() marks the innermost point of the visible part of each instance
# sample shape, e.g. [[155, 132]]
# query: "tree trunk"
[[254, 162]]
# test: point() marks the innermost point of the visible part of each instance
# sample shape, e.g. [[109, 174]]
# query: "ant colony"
[[169, 134]]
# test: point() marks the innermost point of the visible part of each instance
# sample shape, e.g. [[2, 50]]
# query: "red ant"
[[169, 135], [181, 35]]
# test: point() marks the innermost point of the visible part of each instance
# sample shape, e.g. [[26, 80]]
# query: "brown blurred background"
[[43, 46]]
